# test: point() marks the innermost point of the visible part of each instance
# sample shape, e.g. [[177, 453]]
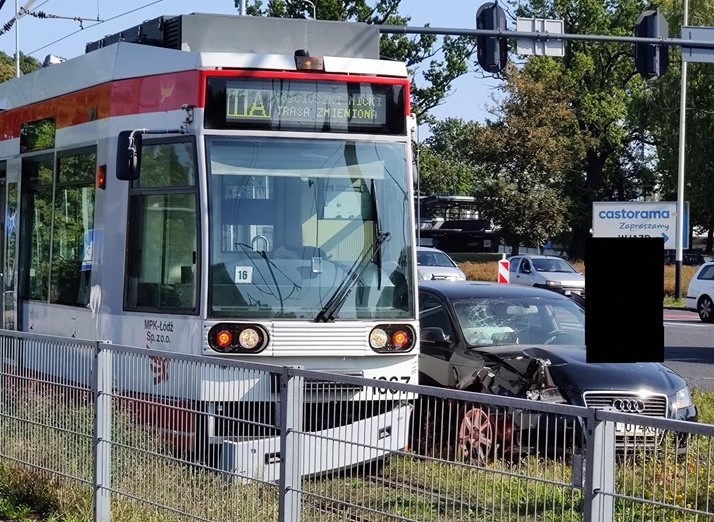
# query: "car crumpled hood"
[[570, 371]]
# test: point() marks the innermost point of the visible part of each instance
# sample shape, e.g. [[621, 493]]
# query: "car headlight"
[[682, 399], [552, 283], [546, 395]]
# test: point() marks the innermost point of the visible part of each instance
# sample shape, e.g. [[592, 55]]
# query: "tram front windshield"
[[300, 227]]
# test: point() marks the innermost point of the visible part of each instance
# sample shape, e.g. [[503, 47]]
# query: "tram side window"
[[73, 229], [163, 230], [35, 226], [56, 239]]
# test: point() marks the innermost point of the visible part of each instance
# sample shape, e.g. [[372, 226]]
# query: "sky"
[[470, 98]]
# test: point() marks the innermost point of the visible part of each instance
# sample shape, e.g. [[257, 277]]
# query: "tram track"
[[352, 512]]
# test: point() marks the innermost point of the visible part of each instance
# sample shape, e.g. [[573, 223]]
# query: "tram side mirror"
[[129, 155]]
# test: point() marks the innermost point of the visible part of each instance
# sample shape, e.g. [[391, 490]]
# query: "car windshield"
[[552, 265], [494, 321], [434, 259]]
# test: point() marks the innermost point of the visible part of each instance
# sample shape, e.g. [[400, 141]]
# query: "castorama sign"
[[639, 219]]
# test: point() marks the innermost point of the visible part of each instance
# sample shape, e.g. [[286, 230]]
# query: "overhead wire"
[[94, 25], [8, 25]]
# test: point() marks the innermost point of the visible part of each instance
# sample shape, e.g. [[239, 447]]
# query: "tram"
[[216, 185]]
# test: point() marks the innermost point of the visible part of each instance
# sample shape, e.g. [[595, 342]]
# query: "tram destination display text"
[[280, 104]]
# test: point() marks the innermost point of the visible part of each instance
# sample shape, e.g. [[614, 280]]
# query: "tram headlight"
[[392, 338], [249, 339], [237, 338], [378, 339]]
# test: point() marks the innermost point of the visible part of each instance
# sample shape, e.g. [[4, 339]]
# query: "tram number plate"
[[243, 274]]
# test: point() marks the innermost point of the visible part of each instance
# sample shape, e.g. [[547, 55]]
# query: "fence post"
[[102, 387], [599, 469], [292, 402]]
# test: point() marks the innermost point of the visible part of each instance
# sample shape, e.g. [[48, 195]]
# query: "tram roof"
[[124, 60]]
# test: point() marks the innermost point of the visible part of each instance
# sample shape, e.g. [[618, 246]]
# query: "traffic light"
[[491, 51], [651, 60]]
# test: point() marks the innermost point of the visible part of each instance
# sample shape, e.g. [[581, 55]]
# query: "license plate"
[[632, 430]]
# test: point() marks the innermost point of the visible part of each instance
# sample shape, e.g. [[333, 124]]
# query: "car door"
[[435, 355], [702, 282], [523, 272]]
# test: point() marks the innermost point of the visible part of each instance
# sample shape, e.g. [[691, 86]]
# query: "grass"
[[533, 488], [488, 271]]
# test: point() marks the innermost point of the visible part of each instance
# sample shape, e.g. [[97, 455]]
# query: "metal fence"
[[79, 424]]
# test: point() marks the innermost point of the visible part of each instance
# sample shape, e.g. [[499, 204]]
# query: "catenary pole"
[[680, 170], [17, 38]]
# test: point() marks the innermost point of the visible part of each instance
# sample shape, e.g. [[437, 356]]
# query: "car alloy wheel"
[[475, 435], [705, 307]]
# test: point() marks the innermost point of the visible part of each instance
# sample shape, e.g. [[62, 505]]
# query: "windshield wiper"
[[337, 300], [377, 231]]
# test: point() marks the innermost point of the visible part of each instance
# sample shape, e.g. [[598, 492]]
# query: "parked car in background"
[[433, 264], [550, 272], [530, 343], [688, 258], [700, 294]]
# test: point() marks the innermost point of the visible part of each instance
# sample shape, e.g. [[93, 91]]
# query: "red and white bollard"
[[503, 267]]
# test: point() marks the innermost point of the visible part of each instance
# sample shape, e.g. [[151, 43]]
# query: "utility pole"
[[680, 170], [17, 38]]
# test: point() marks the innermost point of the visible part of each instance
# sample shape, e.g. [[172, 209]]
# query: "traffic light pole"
[[680, 171], [545, 36]]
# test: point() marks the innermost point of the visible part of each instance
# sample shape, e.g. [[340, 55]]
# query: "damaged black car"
[[526, 342]]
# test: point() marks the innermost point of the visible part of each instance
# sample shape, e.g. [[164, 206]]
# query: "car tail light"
[[392, 338], [237, 338]]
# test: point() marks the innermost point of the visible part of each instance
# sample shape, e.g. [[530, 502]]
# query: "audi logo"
[[629, 405]]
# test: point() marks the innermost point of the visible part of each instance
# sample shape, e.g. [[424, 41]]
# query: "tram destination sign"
[[307, 105], [329, 103]]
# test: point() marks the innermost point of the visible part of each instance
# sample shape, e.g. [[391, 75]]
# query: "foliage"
[[446, 158], [601, 86], [664, 124], [527, 153], [444, 60], [37, 135], [7, 66]]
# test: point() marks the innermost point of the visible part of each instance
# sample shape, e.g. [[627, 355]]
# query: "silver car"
[[434, 265], [551, 272]]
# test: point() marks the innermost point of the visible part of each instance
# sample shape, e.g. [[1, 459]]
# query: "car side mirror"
[[434, 335]]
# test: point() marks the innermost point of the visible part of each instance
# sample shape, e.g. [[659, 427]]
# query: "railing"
[[125, 430]]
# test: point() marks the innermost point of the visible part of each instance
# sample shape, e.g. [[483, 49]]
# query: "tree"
[[7, 66], [664, 125], [603, 87], [446, 163], [429, 87], [527, 153]]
